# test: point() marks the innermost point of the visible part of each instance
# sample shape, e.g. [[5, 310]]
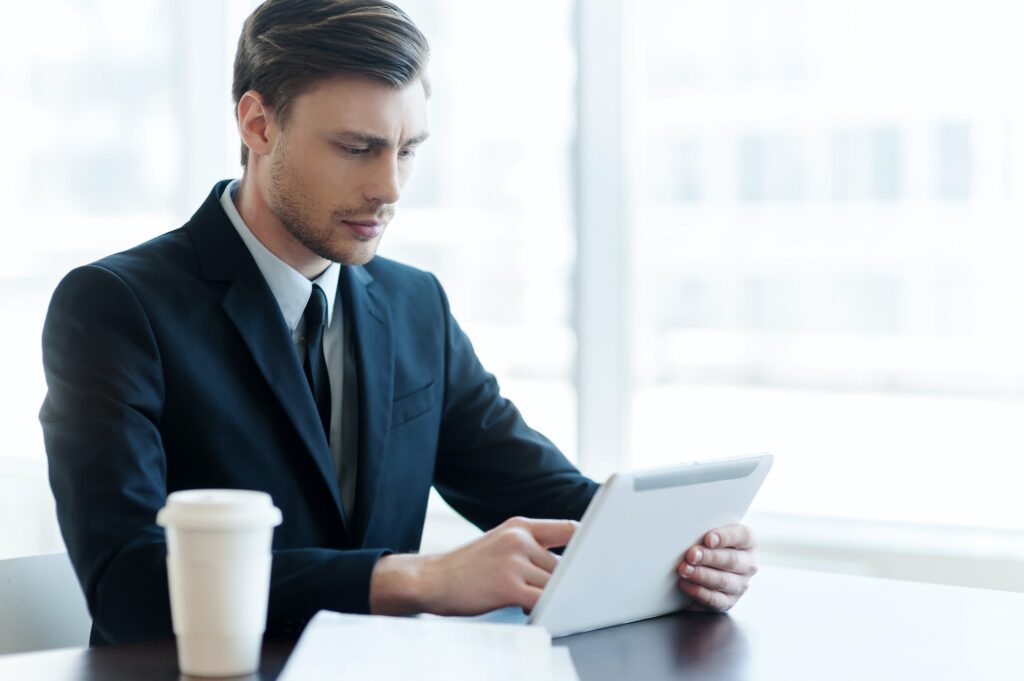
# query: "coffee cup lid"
[[219, 509]]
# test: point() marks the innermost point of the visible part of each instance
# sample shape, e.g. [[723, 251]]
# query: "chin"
[[361, 254]]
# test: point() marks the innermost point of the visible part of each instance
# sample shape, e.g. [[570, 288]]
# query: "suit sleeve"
[[490, 464], [108, 470]]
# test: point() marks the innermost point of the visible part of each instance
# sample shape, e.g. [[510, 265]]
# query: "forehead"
[[359, 104]]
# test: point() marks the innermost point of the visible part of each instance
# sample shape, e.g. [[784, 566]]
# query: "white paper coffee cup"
[[218, 569]]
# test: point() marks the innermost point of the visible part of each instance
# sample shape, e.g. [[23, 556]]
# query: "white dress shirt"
[[292, 290]]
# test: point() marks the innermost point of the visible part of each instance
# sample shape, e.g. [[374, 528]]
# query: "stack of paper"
[[338, 646]]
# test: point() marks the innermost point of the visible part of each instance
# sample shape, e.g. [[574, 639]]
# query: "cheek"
[[321, 184], [315, 166]]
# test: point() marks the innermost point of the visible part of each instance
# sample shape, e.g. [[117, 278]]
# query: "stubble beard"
[[289, 203]]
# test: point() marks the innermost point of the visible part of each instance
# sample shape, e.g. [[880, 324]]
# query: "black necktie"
[[314, 363]]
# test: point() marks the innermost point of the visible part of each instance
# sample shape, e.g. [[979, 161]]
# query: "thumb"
[[551, 533]]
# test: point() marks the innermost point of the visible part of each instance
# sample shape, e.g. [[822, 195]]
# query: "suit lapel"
[[268, 339], [375, 362], [251, 307]]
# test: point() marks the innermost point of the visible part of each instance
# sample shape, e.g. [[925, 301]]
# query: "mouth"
[[368, 229]]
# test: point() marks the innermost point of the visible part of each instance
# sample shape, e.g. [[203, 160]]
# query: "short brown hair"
[[287, 46]]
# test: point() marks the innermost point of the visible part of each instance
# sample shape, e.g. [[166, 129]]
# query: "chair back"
[[41, 605]]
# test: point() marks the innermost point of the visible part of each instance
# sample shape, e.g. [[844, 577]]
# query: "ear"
[[255, 124]]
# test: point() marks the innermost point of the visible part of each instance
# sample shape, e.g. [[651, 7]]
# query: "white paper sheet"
[[340, 646]]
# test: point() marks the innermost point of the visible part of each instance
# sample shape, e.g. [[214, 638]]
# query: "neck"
[[271, 232]]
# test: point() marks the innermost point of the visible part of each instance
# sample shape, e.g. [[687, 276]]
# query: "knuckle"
[[519, 594], [514, 582], [509, 539], [720, 601], [754, 567], [519, 561], [712, 579], [509, 583], [521, 538]]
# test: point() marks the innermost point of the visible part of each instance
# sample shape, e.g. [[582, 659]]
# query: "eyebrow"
[[377, 141]]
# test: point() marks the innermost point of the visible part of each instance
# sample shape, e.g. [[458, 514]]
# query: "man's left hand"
[[716, 572]]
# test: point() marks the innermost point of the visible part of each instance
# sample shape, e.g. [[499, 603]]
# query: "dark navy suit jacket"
[[170, 367]]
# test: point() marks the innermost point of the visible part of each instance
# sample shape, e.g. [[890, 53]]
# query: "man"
[[261, 346]]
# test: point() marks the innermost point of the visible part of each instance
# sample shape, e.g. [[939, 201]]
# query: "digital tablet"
[[620, 565]]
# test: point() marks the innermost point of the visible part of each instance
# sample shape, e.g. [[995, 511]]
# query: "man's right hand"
[[508, 566]]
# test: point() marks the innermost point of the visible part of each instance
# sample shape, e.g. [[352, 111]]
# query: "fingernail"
[[698, 555], [687, 571], [714, 540]]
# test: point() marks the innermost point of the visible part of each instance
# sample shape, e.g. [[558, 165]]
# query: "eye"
[[354, 151], [406, 153]]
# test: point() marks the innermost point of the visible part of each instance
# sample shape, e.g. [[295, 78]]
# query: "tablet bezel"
[[623, 486]]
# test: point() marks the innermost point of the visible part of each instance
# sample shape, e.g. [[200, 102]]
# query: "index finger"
[[735, 536], [551, 533]]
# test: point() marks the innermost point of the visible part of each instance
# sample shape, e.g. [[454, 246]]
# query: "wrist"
[[399, 585]]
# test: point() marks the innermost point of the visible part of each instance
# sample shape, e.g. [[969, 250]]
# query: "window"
[[125, 122], [115, 134], [489, 208], [847, 292], [804, 236]]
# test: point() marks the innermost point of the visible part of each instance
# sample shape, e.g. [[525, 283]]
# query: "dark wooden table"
[[792, 625]]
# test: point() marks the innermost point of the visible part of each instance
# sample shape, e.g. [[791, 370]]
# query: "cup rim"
[[219, 509]]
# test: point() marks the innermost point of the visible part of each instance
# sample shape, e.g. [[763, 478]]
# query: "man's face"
[[341, 161]]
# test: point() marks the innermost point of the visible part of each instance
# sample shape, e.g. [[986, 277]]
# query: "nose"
[[383, 184]]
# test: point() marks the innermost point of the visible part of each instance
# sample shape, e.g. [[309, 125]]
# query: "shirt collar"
[[290, 288]]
